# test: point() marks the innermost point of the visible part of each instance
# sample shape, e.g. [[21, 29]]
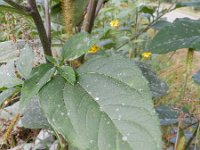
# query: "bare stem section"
[[68, 10]]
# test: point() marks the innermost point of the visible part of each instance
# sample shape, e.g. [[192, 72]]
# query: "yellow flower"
[[114, 23], [94, 49], [146, 54]]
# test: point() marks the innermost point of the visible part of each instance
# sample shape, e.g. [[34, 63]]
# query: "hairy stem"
[[68, 10]]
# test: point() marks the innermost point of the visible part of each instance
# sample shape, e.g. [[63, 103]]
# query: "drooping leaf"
[[25, 61], [157, 86], [6, 94], [68, 74], [33, 118], [8, 77], [40, 76], [77, 45], [167, 115], [183, 33], [105, 110], [196, 77], [188, 4]]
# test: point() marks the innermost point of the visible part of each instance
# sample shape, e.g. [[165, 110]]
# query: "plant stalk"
[[40, 27], [189, 61], [91, 15], [47, 20]]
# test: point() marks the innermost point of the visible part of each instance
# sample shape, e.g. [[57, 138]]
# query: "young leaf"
[[68, 74], [6, 94], [7, 75], [25, 62], [40, 76], [77, 45], [105, 110], [182, 33]]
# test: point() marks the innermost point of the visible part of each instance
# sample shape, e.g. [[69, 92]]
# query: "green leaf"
[[157, 86], [33, 118], [187, 4], [39, 77], [183, 33], [160, 24], [77, 45], [9, 50], [146, 9], [25, 61], [105, 110], [7, 75], [80, 7], [167, 115], [6, 94], [52, 60], [196, 77], [68, 74]]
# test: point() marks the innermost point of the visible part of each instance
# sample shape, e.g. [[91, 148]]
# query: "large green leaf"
[[40, 76], [25, 61], [183, 33], [77, 45], [8, 77], [110, 108]]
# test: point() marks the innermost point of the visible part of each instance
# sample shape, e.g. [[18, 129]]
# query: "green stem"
[[193, 136], [189, 61]]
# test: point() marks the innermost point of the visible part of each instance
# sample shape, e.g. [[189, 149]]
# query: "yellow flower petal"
[[94, 49], [114, 23], [146, 54]]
